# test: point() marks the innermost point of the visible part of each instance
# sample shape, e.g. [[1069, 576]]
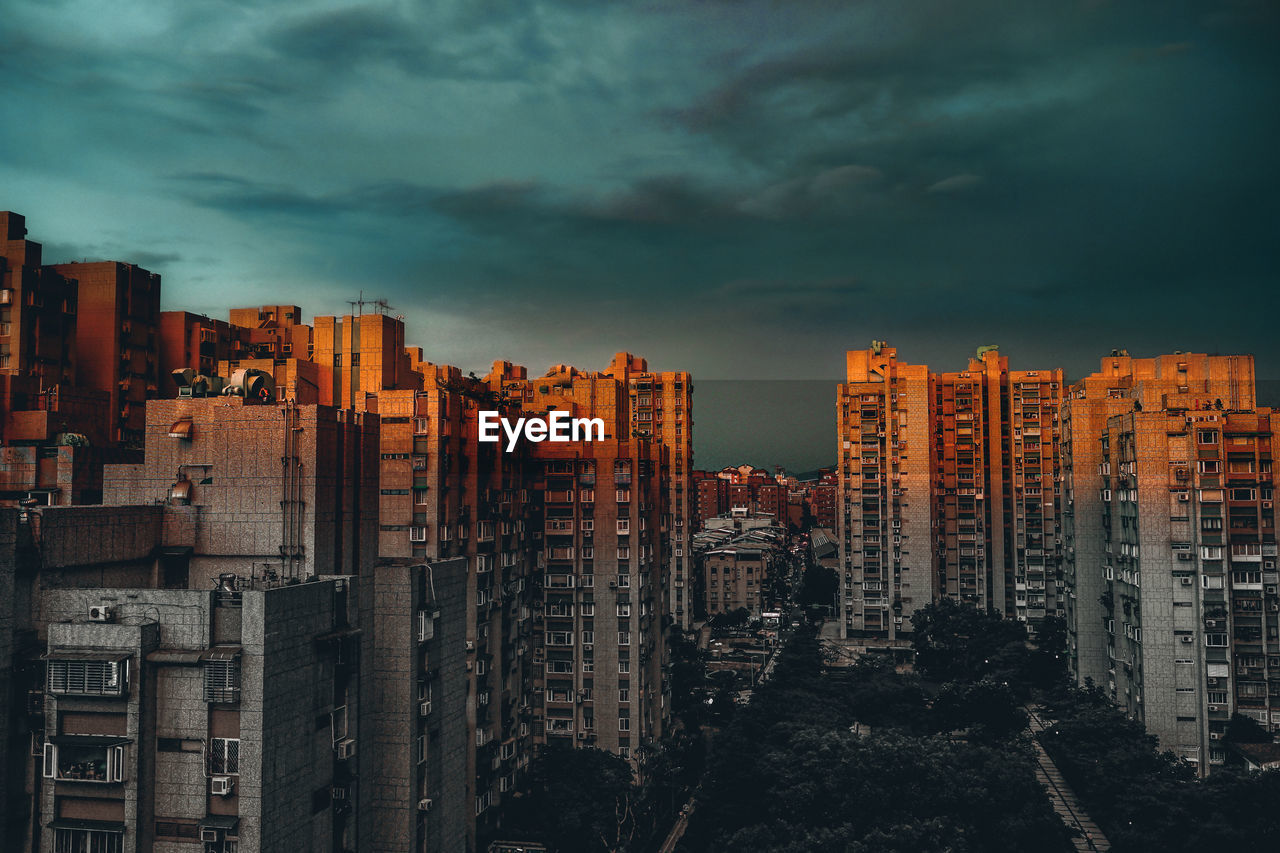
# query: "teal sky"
[[743, 189]]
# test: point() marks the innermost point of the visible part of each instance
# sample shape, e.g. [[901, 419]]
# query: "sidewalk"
[[1090, 838]]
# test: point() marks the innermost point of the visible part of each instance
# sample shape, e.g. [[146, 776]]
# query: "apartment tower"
[[884, 518]]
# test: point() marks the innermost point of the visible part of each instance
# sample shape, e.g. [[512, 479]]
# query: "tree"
[[956, 642], [579, 801], [989, 710], [1244, 729], [788, 775], [819, 585]]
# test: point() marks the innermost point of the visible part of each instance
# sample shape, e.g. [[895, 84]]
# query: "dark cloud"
[[552, 181]]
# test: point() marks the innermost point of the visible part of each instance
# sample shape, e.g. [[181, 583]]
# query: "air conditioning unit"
[[1183, 497], [582, 735], [1271, 590], [1266, 504], [221, 786], [209, 835], [1186, 581], [471, 646], [1215, 735], [1187, 640], [1183, 555], [424, 708], [1213, 708], [425, 804], [1211, 623], [100, 613], [346, 748]]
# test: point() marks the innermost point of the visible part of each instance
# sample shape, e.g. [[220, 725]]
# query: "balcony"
[[97, 759]]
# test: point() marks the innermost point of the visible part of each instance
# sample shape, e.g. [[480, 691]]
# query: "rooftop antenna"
[[380, 306]]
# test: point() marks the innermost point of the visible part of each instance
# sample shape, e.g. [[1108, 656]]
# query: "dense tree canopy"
[[1147, 801], [789, 775], [819, 585], [579, 801]]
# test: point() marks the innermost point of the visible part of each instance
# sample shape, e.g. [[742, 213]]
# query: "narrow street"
[[1089, 837]]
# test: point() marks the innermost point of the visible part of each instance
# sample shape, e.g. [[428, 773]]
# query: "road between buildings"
[[1089, 838]]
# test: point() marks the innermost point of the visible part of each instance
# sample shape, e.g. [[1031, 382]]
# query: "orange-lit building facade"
[[194, 341], [1180, 382], [601, 510], [822, 500], [361, 353], [118, 320], [661, 406], [884, 516], [996, 442], [55, 434], [37, 313]]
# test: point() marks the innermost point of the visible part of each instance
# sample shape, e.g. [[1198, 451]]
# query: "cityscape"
[[267, 589], [674, 426]]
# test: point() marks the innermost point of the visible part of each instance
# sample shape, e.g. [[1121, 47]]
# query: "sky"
[[740, 188]]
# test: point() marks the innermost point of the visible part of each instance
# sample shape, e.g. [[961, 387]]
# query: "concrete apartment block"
[[661, 405], [175, 717], [416, 720], [118, 323], [996, 464], [285, 488], [1179, 381], [885, 517], [1189, 599]]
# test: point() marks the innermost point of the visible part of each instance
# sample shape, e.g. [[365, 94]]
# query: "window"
[[224, 756], [420, 426], [624, 638], [624, 724], [88, 677], [222, 677], [88, 840], [624, 667], [420, 497], [624, 694], [175, 829], [84, 758]]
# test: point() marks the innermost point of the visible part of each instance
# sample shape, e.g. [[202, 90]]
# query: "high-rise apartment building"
[[884, 518], [416, 733], [661, 405], [361, 353], [223, 718], [1181, 381], [118, 321], [598, 657], [290, 490], [712, 496], [1171, 549], [1189, 547], [37, 314], [996, 439], [449, 495], [55, 433], [194, 341]]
